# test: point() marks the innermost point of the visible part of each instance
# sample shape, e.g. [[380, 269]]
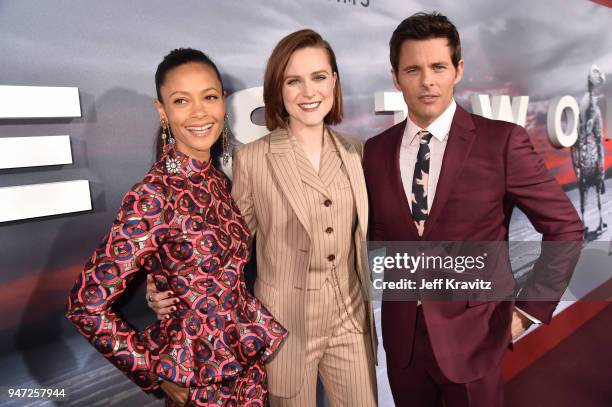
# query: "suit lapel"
[[306, 170], [331, 163], [285, 169], [352, 162], [460, 140]]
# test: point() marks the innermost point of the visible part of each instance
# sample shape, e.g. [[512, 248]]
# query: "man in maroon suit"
[[447, 175]]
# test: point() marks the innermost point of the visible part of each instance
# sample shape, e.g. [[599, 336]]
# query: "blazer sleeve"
[[129, 247], [242, 188], [531, 187]]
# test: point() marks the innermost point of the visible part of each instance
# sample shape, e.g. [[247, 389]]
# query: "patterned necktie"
[[420, 181]]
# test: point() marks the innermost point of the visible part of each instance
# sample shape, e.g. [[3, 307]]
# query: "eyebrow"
[[203, 91], [312, 73], [431, 64]]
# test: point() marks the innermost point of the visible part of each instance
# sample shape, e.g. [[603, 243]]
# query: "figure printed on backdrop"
[[181, 227], [444, 174], [302, 193], [588, 153]]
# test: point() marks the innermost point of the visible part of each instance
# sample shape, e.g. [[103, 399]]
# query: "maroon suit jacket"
[[489, 167]]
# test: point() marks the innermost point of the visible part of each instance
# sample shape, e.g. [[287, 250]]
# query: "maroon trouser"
[[422, 383]]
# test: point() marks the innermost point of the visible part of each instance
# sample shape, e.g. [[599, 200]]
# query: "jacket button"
[[327, 202], [331, 257], [329, 230]]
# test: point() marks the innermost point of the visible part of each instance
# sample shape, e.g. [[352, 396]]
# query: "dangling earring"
[[166, 137], [172, 164], [225, 157]]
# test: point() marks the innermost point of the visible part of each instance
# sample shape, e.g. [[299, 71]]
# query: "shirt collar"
[[439, 128]]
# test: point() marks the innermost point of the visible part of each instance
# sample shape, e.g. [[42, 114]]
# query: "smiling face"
[[426, 77], [308, 87], [193, 105]]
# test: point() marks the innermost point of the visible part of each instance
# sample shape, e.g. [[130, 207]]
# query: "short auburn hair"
[[425, 26], [276, 114]]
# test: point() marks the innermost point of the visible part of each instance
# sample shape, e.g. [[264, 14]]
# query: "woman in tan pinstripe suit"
[[302, 193]]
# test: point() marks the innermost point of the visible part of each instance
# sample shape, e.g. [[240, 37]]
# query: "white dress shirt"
[[410, 148]]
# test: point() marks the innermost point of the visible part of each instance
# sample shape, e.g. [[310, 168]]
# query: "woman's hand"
[[177, 393], [162, 303]]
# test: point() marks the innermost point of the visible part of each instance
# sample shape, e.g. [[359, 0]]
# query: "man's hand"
[[162, 303], [177, 393], [520, 323]]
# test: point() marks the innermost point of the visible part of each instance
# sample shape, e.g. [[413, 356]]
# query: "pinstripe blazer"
[[268, 191]]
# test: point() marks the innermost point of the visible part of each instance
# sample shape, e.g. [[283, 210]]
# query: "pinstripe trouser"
[[335, 352]]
